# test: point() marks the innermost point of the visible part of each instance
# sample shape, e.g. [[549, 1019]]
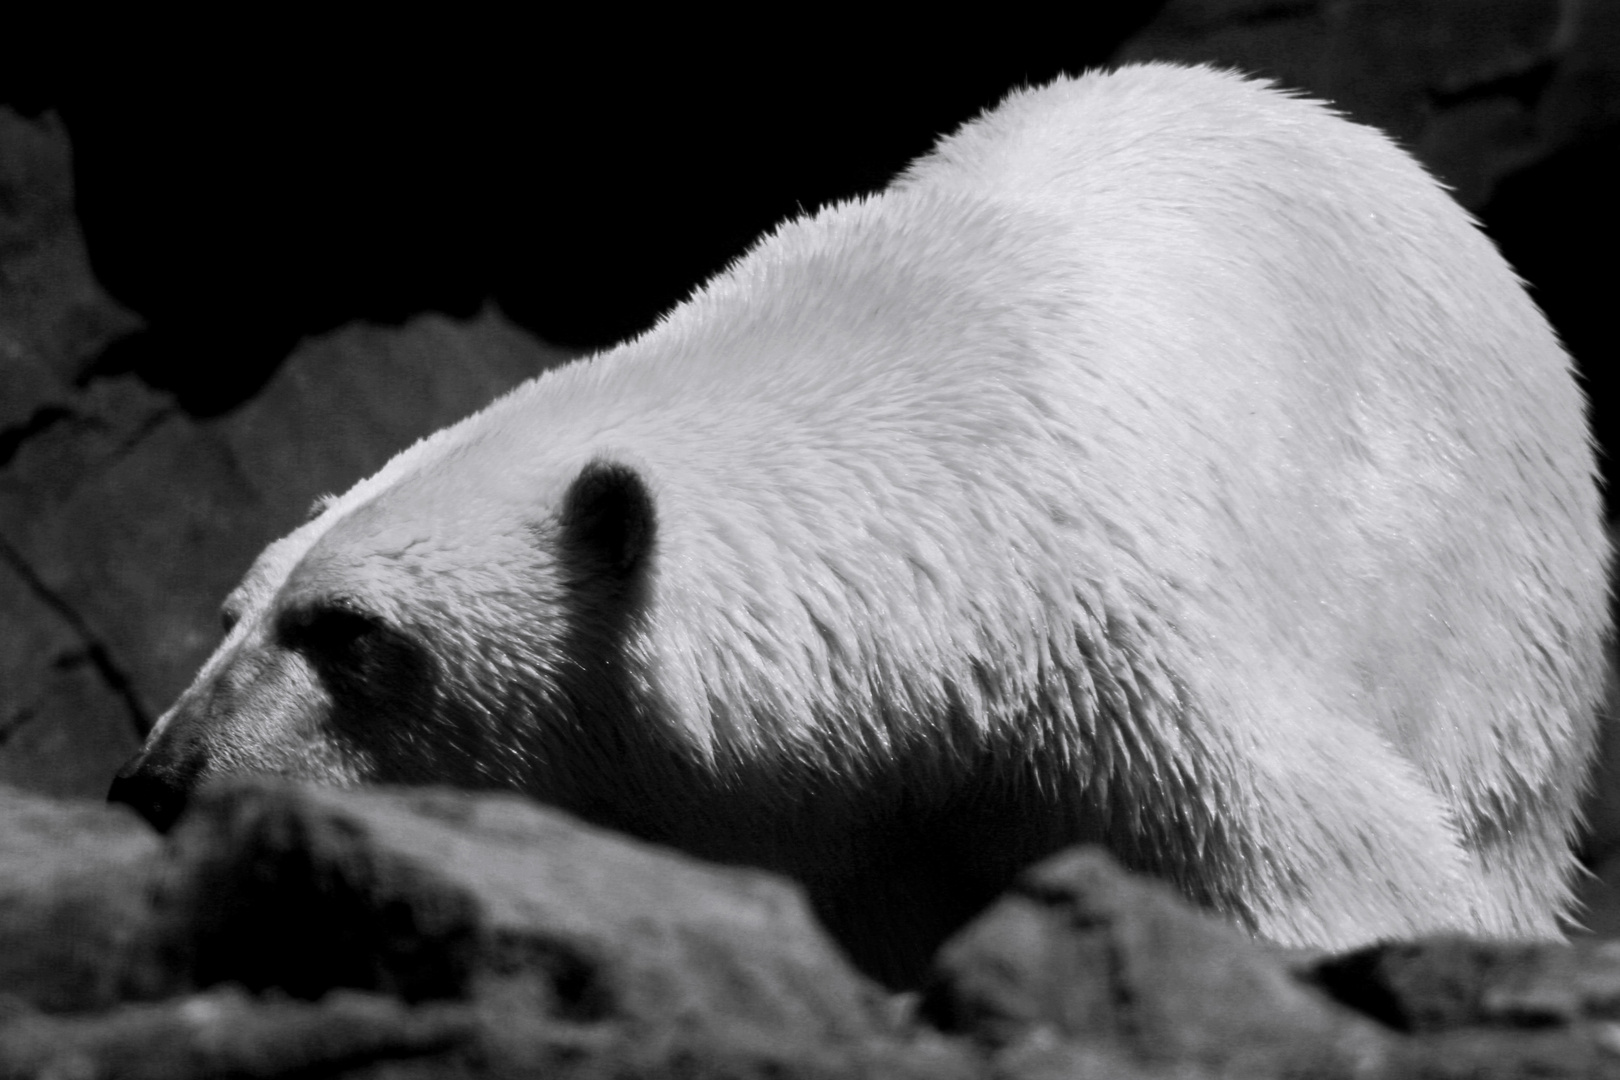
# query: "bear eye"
[[328, 629], [228, 618]]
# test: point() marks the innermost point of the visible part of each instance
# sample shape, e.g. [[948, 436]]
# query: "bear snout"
[[157, 791]]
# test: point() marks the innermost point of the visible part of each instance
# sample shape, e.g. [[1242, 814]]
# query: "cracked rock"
[[226, 1033], [73, 901], [61, 725], [287, 931], [433, 894], [1079, 952]]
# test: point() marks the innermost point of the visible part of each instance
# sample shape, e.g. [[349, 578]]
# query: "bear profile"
[[1162, 461]]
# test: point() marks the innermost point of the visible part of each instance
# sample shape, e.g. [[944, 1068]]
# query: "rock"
[[1487, 1009], [431, 894], [1590, 1052], [282, 930], [61, 722], [1449, 983], [49, 671], [418, 933], [346, 402], [141, 551], [54, 319], [227, 1033], [1081, 952], [91, 428], [1084, 970], [74, 901]]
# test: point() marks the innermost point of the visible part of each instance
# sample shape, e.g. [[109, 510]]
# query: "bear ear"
[[608, 516]]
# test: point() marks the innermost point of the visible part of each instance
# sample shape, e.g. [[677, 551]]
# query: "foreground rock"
[[284, 931], [1080, 959], [429, 895], [1080, 953]]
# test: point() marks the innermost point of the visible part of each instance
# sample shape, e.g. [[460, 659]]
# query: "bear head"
[[411, 632]]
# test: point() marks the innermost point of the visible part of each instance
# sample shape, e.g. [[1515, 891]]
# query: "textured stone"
[[144, 549], [61, 722], [583, 952], [346, 402], [89, 431], [226, 1033], [73, 900], [71, 709], [294, 931], [432, 894], [285, 931], [54, 319], [62, 727], [1081, 951], [1448, 983], [1487, 1054]]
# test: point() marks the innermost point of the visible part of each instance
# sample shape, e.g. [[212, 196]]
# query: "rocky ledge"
[[283, 931]]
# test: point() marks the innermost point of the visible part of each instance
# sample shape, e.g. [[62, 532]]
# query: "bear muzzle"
[[158, 790]]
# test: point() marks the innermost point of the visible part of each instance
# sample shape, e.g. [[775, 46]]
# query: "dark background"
[[243, 185], [239, 198]]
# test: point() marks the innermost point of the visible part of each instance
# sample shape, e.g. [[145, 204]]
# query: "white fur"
[[1162, 460]]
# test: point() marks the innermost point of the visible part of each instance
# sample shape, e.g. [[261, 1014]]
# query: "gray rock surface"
[[282, 929], [73, 878], [54, 318], [427, 894], [55, 698], [285, 931], [226, 1033], [1079, 952]]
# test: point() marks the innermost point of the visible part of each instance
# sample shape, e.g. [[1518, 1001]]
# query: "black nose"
[[158, 794]]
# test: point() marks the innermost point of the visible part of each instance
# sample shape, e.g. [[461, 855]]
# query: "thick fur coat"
[[1162, 461]]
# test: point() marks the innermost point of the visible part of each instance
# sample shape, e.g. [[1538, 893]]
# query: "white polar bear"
[[1162, 461]]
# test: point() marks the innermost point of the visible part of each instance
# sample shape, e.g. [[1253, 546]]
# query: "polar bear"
[[1162, 461]]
